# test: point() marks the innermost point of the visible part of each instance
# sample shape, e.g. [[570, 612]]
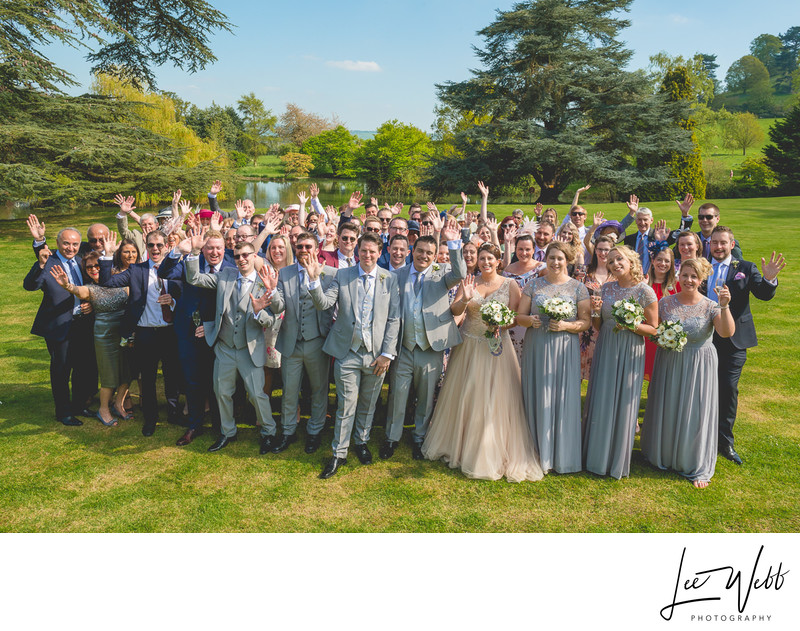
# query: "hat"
[[205, 213], [413, 225], [292, 208], [166, 213], [610, 224]]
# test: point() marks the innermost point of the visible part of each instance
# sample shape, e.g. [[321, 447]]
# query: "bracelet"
[[69, 287], [725, 307], [597, 315]]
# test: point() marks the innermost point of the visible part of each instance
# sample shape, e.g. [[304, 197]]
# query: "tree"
[[555, 103], [742, 131], [747, 74], [394, 159], [333, 152], [710, 66], [128, 38], [222, 124], [788, 59], [296, 125], [297, 164], [686, 167], [767, 49], [258, 123], [699, 87], [782, 155]]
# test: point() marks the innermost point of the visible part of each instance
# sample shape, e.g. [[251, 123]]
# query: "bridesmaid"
[[522, 272], [597, 275], [661, 277], [681, 419], [279, 255], [688, 246], [551, 379], [615, 386]]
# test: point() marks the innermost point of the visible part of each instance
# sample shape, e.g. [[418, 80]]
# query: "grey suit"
[[366, 327], [238, 341], [427, 329], [300, 343]]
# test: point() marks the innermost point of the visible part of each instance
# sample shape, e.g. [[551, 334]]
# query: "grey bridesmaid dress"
[[681, 420]]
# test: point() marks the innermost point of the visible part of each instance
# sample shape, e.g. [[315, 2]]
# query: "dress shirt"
[[343, 260], [74, 275], [152, 315]]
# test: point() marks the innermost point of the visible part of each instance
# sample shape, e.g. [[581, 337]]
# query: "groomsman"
[[66, 326], [363, 342], [300, 343], [427, 329], [237, 335], [742, 279]]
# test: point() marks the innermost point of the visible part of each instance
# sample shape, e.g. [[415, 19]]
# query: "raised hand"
[[686, 204], [110, 244], [373, 201], [36, 228], [432, 206], [44, 254], [240, 210], [216, 221], [186, 207], [313, 268], [451, 230], [598, 218], [483, 189], [313, 190], [271, 223], [437, 222], [216, 187], [60, 275], [302, 197], [492, 225], [125, 203], [633, 204], [195, 238], [192, 221], [268, 276], [425, 231], [176, 197], [724, 296], [538, 210], [583, 189], [397, 208], [468, 286], [661, 233], [274, 208], [464, 198], [510, 234], [285, 230], [355, 200], [772, 269]]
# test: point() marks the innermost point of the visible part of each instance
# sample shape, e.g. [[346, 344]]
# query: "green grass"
[[91, 478], [715, 154], [266, 167]]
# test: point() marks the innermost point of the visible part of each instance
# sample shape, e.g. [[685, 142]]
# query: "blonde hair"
[[565, 248], [287, 245], [700, 266], [636, 263]]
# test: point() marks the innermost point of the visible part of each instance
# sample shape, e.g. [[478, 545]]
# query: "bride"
[[479, 422]]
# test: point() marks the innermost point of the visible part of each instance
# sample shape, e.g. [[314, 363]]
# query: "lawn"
[[95, 479], [715, 153], [266, 167]]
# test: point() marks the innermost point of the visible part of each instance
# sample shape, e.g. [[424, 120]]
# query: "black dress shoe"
[[729, 453], [312, 442], [221, 442], [283, 443], [387, 449], [71, 421], [332, 467], [267, 443], [149, 429], [87, 412], [188, 437], [416, 452], [363, 453]]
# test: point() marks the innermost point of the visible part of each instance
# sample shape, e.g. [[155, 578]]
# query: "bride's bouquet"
[[495, 315], [558, 308], [628, 313], [670, 336]]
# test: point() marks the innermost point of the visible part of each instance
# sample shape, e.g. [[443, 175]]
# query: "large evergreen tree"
[[556, 104], [783, 154]]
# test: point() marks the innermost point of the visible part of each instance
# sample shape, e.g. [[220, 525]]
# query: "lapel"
[[733, 268], [352, 286], [294, 287], [229, 282]]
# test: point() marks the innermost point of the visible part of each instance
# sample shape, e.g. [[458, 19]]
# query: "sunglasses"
[[243, 255], [706, 217], [156, 245], [578, 214], [92, 267], [95, 240], [348, 238], [426, 223], [373, 229], [385, 219], [304, 246]]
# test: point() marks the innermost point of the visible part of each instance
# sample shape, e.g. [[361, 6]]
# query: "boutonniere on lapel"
[[322, 274], [382, 277], [735, 263], [436, 267]]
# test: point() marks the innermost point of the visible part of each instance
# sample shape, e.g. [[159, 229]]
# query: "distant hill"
[[364, 135]]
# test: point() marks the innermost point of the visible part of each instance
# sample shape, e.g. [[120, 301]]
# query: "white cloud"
[[678, 19], [355, 66]]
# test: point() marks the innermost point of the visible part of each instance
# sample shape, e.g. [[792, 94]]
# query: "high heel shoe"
[[112, 423]]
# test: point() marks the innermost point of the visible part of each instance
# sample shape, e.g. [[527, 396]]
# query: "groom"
[[362, 341], [426, 330]]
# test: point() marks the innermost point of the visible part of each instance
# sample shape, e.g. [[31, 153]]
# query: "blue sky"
[[369, 61]]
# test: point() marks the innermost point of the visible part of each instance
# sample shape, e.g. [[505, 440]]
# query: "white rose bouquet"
[[495, 315], [628, 313], [670, 336], [558, 308]]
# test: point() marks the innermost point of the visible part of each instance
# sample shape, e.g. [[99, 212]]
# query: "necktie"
[[707, 247], [244, 284], [640, 247], [417, 283], [75, 272], [540, 256], [712, 283], [349, 261], [166, 312]]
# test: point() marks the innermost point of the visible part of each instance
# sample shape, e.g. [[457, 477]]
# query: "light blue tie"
[[712, 283]]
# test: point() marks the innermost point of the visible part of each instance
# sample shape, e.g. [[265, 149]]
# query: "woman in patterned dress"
[[597, 275]]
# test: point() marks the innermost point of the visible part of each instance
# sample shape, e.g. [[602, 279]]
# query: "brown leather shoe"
[[188, 437]]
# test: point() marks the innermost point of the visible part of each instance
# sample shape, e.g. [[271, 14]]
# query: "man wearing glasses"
[[708, 218], [148, 318], [397, 226], [95, 236], [345, 255], [385, 215]]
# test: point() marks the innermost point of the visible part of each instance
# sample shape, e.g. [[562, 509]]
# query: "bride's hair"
[[492, 249]]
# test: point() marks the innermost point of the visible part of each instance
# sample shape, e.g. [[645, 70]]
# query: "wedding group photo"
[[555, 295]]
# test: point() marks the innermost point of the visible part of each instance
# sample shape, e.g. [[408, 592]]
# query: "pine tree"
[[783, 154]]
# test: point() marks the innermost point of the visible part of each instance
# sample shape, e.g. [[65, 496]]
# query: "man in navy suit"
[[742, 279], [194, 307], [397, 226], [149, 314], [66, 326]]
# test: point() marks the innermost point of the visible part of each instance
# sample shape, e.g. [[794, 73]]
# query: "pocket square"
[[739, 276]]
